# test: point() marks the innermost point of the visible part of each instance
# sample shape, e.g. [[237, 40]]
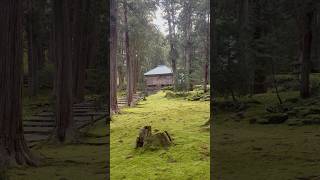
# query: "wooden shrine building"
[[158, 78]]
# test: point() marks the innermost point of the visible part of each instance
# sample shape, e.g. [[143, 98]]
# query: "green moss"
[[72, 162], [33, 105], [188, 158], [252, 151]]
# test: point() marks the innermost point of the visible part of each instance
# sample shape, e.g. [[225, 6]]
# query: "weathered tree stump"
[[148, 140]]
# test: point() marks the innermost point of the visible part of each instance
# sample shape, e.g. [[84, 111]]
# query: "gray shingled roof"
[[161, 69]]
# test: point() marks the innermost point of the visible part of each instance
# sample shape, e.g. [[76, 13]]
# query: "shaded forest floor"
[[84, 160], [188, 158], [265, 151]]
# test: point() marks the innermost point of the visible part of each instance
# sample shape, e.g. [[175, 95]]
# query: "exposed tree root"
[[16, 152]]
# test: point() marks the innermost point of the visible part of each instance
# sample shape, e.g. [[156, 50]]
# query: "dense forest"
[[75, 86], [265, 68], [62, 62], [258, 39], [49, 51], [141, 46]]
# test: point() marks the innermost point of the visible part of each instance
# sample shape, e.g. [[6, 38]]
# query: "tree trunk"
[[113, 56], [212, 66], [275, 83], [305, 53], [173, 52], [108, 117], [13, 147], [63, 48], [129, 63], [212, 58], [188, 45], [207, 56]]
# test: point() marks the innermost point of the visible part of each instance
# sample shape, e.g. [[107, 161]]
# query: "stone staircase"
[[40, 126], [122, 101]]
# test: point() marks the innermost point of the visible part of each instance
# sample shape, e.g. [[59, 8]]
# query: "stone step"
[[75, 114], [45, 114], [84, 105], [37, 130], [82, 110], [39, 119], [35, 137], [38, 124]]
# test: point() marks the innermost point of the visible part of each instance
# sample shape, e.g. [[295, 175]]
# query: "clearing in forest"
[[188, 158]]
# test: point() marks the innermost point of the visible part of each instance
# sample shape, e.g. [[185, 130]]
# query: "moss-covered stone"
[[158, 141], [276, 118]]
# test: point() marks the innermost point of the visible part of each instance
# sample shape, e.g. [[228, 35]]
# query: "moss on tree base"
[[148, 140]]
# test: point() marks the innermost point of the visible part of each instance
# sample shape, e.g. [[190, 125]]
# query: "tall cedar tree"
[[305, 23], [113, 55], [188, 42], [108, 119], [170, 10], [63, 48], [212, 57], [130, 77], [212, 63], [13, 147]]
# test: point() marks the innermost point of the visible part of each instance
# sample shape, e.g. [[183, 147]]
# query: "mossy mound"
[[196, 95], [273, 118], [148, 140]]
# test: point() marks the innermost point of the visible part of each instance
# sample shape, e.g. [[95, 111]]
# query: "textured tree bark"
[[212, 66], [207, 56], [113, 56], [130, 77], [188, 45], [170, 10], [212, 58], [13, 147], [120, 65], [108, 118], [305, 52], [63, 48]]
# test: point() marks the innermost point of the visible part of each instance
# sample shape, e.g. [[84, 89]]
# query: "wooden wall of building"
[[156, 82]]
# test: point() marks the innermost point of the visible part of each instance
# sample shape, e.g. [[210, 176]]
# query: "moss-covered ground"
[[245, 151], [83, 161], [242, 151], [188, 158]]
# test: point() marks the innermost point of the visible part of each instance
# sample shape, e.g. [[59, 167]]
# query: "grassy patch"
[[187, 159]]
